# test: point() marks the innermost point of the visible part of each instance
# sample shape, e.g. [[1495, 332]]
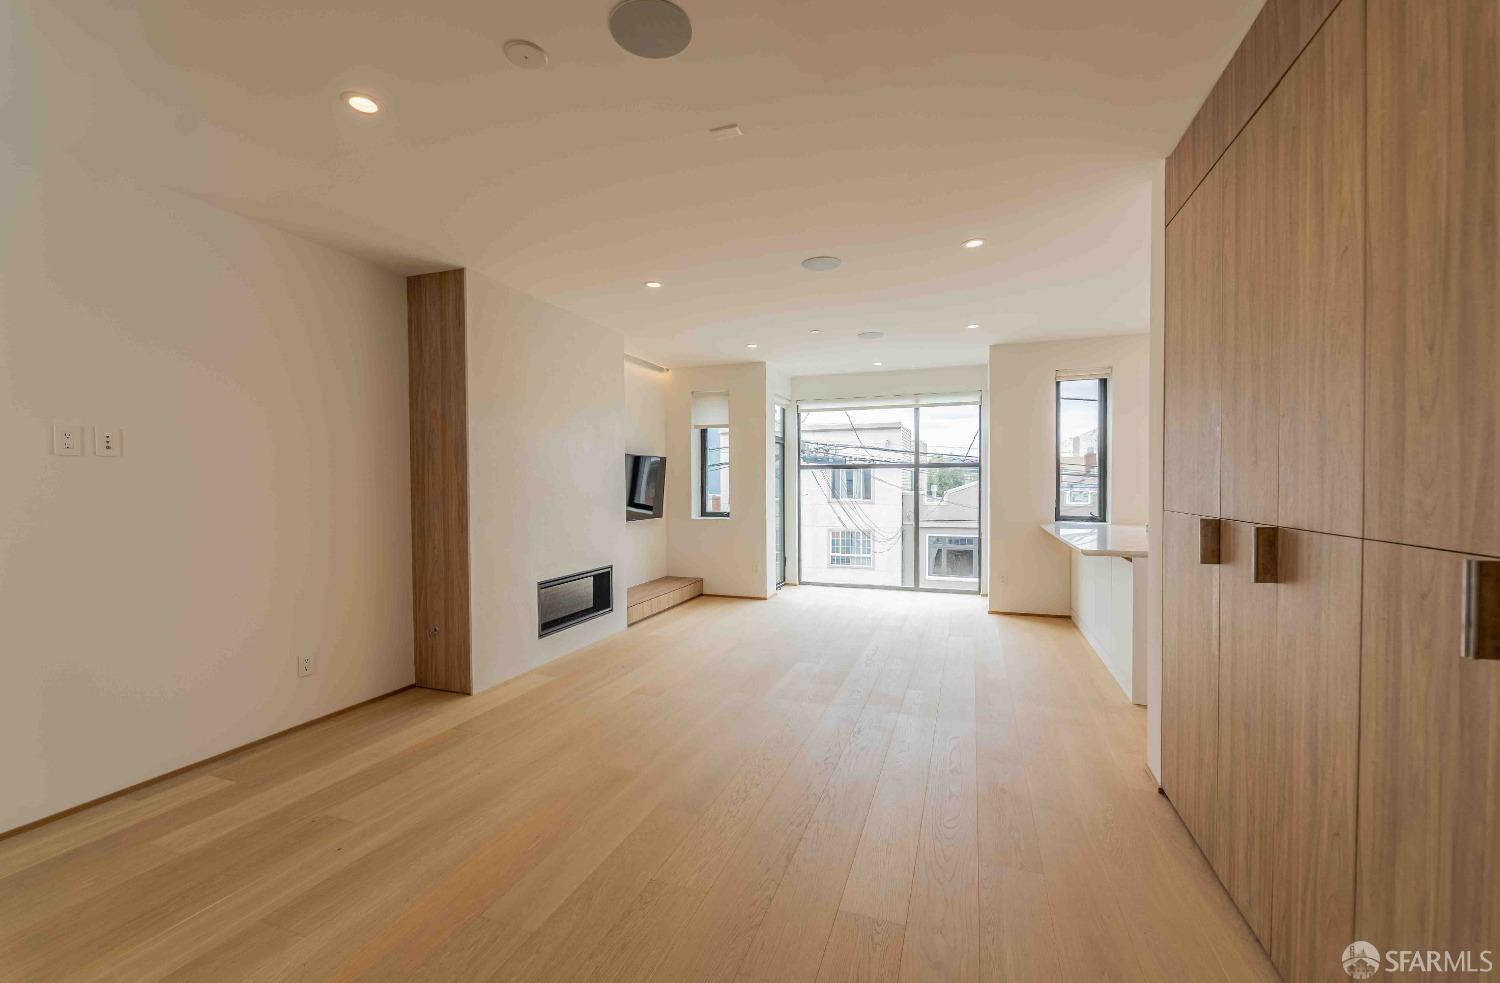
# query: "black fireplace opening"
[[563, 602]]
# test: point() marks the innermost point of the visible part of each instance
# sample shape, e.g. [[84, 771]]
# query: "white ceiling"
[[882, 133]]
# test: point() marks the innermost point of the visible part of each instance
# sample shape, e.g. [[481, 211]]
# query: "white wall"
[[731, 555], [645, 432], [1028, 568], [154, 606], [546, 460]]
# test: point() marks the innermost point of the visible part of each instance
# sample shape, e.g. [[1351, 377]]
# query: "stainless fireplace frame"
[[545, 628]]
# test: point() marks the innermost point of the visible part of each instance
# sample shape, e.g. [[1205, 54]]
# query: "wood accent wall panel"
[[1275, 38], [1432, 437], [1316, 725], [436, 322], [1317, 300], [1190, 681], [1429, 769], [1247, 334], [1248, 776], [1194, 317]]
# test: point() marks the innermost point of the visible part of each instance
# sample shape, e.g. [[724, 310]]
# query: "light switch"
[[108, 442], [67, 439]]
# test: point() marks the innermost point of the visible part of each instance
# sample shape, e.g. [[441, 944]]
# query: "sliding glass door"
[[889, 493]]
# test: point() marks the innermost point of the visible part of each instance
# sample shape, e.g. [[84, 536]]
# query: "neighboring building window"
[[953, 556], [849, 548], [713, 460], [1082, 449], [853, 483]]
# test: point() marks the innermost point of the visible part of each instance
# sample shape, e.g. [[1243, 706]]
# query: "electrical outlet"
[[307, 665], [108, 443], [67, 439]]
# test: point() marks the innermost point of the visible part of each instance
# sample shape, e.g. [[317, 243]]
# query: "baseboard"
[[1032, 614], [25, 827]]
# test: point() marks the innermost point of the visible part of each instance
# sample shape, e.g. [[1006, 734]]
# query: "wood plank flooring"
[[832, 785]]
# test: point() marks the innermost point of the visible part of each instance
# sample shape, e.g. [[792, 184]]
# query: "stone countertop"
[[1100, 538]]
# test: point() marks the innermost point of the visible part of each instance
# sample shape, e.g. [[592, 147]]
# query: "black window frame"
[[703, 510], [1057, 474]]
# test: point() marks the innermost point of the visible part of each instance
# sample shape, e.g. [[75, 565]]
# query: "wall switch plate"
[[307, 665], [108, 443], [67, 439]]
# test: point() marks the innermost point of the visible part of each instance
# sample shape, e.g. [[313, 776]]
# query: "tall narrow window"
[[713, 459], [1082, 449]]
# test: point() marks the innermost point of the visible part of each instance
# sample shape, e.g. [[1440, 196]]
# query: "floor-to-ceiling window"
[[889, 492]]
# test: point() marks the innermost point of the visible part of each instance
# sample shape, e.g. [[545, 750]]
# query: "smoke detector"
[[524, 54], [650, 28]]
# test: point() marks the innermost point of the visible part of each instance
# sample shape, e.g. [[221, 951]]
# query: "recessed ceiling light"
[[879, 363], [821, 264], [815, 331], [871, 335], [752, 346], [973, 243], [654, 284], [361, 103], [524, 54], [973, 326]]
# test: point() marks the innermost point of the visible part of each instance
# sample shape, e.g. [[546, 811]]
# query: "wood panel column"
[[436, 325]]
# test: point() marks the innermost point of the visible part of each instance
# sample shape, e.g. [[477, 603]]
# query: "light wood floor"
[[833, 785]]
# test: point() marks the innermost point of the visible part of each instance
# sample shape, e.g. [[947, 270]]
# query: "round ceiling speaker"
[[821, 264], [650, 28], [524, 54]]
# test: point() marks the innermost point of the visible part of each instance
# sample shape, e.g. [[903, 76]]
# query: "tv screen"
[[645, 478]]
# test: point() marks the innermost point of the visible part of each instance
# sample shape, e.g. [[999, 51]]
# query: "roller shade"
[[887, 402], [1073, 374]]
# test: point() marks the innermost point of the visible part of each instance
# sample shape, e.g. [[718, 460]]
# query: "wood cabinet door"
[[1316, 204], [1247, 374], [1190, 679], [1248, 774], [1429, 762], [1317, 731], [1432, 433], [1194, 314]]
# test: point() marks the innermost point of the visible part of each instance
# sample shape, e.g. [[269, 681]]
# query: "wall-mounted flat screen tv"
[[645, 482]]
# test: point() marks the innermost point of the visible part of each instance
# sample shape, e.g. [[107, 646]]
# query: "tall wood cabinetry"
[[1332, 459]]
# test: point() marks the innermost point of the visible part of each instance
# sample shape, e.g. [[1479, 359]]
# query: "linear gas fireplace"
[[563, 602]]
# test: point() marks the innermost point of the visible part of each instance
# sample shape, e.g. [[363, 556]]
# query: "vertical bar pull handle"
[[1208, 541], [1481, 616], [1263, 554]]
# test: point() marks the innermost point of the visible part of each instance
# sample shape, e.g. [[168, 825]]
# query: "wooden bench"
[[656, 596]]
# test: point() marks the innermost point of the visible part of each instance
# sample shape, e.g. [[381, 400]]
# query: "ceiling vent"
[[650, 28]]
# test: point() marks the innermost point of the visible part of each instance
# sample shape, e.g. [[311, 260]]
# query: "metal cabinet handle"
[[1208, 541], [1264, 561], [1481, 611]]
